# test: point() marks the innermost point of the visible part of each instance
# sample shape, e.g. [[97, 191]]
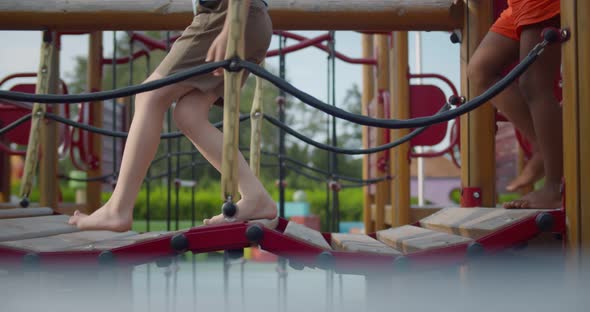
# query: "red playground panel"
[[10, 113], [427, 100]]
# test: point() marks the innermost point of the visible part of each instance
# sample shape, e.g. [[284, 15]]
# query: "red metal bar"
[[126, 59], [301, 45], [151, 43], [64, 86], [340, 56]]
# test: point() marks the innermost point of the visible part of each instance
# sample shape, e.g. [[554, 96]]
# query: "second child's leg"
[[494, 54], [537, 85], [191, 116]]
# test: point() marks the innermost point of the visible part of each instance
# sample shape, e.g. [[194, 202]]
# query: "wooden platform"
[[361, 243], [417, 213], [446, 228], [70, 241], [25, 212], [474, 222], [119, 241], [25, 228], [303, 233], [410, 238]]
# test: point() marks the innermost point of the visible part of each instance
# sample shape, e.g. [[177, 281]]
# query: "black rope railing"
[[349, 151], [120, 134], [417, 122], [15, 124], [237, 64], [323, 172], [112, 94]]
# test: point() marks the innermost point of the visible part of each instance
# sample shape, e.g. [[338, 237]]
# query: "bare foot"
[[102, 219], [250, 209], [533, 171], [548, 197]]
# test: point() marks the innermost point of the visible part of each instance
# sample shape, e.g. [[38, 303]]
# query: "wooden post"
[[48, 183], [576, 126], [94, 80], [47, 82], [237, 14], [94, 15], [400, 108], [367, 97], [478, 129], [256, 114], [382, 196]]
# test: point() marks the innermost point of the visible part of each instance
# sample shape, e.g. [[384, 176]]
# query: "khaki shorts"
[[191, 48]]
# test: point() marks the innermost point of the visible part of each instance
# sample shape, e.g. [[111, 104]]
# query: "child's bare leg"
[[494, 54], [191, 116], [532, 172], [537, 88], [141, 146]]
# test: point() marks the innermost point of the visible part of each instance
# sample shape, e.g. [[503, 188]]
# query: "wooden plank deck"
[[303, 233], [25, 228], [63, 242], [410, 238], [474, 222], [361, 243]]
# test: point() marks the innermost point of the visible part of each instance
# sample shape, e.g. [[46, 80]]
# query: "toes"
[[73, 220], [517, 204]]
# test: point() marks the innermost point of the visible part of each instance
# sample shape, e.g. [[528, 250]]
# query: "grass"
[[161, 225]]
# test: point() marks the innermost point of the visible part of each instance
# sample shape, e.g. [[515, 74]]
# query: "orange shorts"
[[522, 13]]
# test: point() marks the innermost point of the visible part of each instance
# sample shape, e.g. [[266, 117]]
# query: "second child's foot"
[[533, 171], [548, 197], [250, 209], [102, 219]]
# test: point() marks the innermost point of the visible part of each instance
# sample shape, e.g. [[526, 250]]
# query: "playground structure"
[[409, 241]]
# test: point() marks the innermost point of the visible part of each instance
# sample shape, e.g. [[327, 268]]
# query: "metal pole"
[[168, 157], [418, 60], [114, 112], [334, 156], [282, 261]]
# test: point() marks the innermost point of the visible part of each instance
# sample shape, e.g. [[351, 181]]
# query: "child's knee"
[[479, 73], [181, 115], [530, 89], [153, 100]]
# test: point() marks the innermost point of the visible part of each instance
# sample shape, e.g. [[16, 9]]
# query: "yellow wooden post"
[[478, 129], [93, 15], [256, 114], [48, 183], [46, 83], [94, 81], [576, 126], [367, 97], [400, 108], [237, 14], [382, 196]]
